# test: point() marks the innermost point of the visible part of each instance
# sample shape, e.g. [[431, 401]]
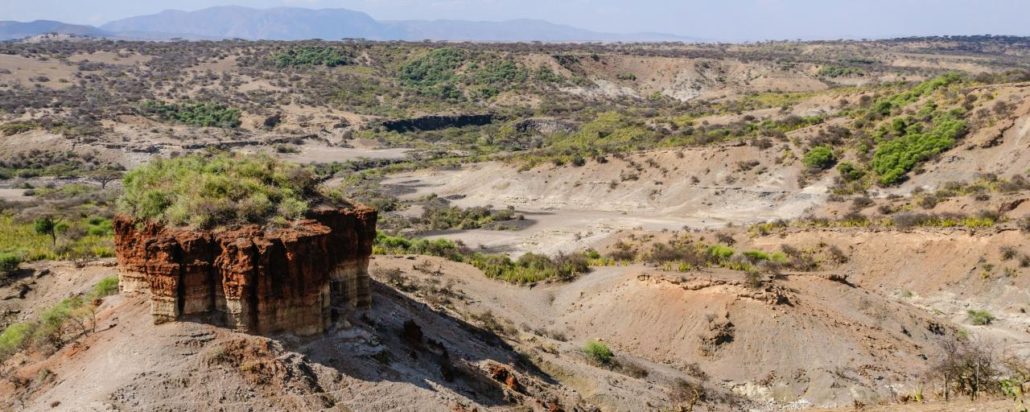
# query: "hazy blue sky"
[[712, 19]]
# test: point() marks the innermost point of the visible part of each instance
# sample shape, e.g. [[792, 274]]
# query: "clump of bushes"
[[39, 162], [398, 245], [528, 268], [720, 252], [222, 189], [840, 71], [906, 220], [309, 56], [820, 158], [193, 113], [443, 73], [685, 254], [13, 128], [884, 107], [438, 214], [849, 172], [909, 220], [905, 141], [894, 158], [434, 73]]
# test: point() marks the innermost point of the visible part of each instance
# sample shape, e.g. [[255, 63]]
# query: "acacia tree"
[[105, 175]]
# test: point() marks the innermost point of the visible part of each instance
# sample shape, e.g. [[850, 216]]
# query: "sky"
[[724, 20]]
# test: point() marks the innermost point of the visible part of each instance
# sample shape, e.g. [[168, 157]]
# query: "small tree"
[[105, 175], [47, 226]]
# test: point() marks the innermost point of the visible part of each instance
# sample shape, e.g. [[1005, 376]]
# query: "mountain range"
[[16, 30], [291, 23]]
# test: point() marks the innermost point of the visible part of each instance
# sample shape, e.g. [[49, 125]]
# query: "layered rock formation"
[[252, 279]]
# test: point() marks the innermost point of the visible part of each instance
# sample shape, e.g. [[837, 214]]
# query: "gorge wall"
[[252, 279], [437, 122]]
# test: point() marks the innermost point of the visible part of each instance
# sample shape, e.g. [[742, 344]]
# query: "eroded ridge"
[[252, 279]]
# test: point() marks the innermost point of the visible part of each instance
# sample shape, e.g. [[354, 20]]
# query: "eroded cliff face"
[[251, 279]]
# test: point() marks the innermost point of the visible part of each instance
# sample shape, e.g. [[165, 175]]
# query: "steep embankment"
[[803, 339], [258, 280]]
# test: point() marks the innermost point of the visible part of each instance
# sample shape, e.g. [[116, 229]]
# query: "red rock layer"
[[254, 280]]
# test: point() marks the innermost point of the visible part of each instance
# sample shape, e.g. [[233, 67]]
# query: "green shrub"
[[850, 172], [598, 352], [443, 73], [98, 226], [820, 158], [894, 158], [13, 338], [193, 113], [840, 71], [499, 72], [884, 106], [528, 268], [980, 317], [106, 287], [437, 215], [8, 264], [756, 255], [546, 75], [309, 56], [626, 76], [720, 252], [761, 256], [205, 191], [13, 128], [905, 141], [434, 73]]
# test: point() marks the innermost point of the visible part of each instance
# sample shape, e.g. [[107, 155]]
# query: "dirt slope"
[[804, 340], [368, 363]]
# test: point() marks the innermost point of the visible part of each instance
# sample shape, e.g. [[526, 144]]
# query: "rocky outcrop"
[[545, 126], [437, 122], [252, 279]]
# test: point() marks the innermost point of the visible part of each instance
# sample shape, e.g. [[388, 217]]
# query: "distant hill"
[[255, 24], [287, 23], [10, 30], [511, 30]]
